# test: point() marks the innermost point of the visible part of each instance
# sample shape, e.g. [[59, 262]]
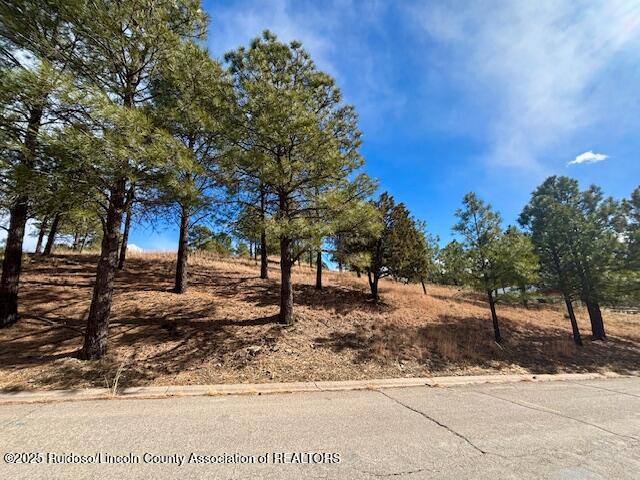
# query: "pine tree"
[[632, 229], [33, 87], [129, 201], [357, 220], [379, 247], [398, 249], [242, 250], [299, 142], [413, 250], [247, 189], [480, 229], [453, 264], [246, 227], [189, 98], [627, 276], [545, 218], [597, 240], [517, 262], [204, 239], [120, 62], [80, 228], [574, 235]]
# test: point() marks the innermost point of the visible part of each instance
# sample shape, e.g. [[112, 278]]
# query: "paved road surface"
[[557, 430]]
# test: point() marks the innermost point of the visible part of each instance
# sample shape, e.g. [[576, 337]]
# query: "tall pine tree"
[[479, 227], [299, 141], [120, 47]]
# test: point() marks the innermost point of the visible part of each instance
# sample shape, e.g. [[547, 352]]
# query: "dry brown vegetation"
[[224, 329]]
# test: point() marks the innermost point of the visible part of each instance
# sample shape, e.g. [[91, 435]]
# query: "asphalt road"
[[551, 430]]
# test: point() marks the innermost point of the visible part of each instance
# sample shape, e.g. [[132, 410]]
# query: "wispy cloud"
[[588, 157], [337, 33], [238, 24], [538, 72]]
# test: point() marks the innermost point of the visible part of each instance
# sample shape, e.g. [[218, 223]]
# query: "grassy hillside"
[[224, 329]]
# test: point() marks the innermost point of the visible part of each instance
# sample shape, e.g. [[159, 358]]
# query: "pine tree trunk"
[[595, 315], [95, 339], [358, 273], [373, 284], [494, 317], [577, 339], [340, 266], [286, 288], [319, 270], [18, 213], [41, 232], [523, 296], [12, 263], [51, 238], [183, 252], [264, 260], [597, 323], [83, 243], [424, 288], [127, 227]]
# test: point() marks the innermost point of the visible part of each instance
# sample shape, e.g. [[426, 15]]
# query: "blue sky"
[[489, 96]]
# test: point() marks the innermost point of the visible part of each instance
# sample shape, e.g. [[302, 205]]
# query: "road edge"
[[287, 387]]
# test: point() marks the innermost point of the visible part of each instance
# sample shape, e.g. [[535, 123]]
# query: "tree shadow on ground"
[[470, 297], [161, 336], [464, 342], [186, 342], [78, 271], [337, 299]]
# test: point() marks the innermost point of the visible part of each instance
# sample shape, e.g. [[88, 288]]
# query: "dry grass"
[[203, 336]]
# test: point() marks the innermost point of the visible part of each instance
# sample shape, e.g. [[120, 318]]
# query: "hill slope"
[[224, 329]]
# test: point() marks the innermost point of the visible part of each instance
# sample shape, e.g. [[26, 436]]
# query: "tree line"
[[115, 107], [578, 244], [114, 111]]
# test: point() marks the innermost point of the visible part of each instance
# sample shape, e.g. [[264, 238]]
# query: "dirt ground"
[[224, 330]]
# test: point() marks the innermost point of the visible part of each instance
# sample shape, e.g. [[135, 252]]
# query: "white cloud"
[[157, 241], [588, 157], [237, 25], [132, 247], [536, 73]]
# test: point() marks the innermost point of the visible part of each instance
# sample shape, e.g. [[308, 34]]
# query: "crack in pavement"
[[608, 390], [540, 408], [393, 474], [433, 420], [16, 421]]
